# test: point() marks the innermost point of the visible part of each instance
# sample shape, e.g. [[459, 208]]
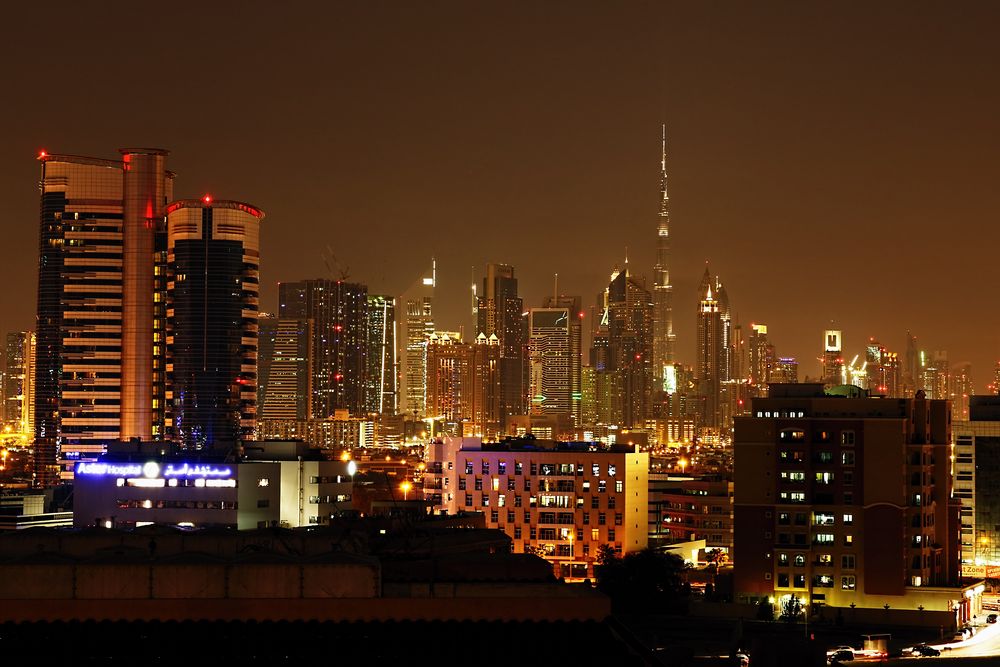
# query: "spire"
[[665, 198]]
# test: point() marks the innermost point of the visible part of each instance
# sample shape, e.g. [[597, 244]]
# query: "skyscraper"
[[712, 355], [339, 314], [101, 239], [381, 382], [549, 361], [663, 316], [284, 368], [19, 382], [833, 358], [574, 305], [629, 317], [419, 301], [500, 314], [213, 257]]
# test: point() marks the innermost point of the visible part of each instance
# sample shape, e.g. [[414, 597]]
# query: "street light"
[[405, 486]]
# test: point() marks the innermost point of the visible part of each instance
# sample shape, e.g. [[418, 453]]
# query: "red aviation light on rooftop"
[[207, 199], [42, 154]]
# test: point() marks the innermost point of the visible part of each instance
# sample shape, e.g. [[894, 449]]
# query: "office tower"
[[382, 378], [574, 306], [419, 301], [786, 370], [995, 387], [935, 376], [960, 390], [977, 480], [761, 353], [712, 353], [147, 187], [628, 318], [554, 359], [213, 258], [910, 370], [18, 382], [284, 368], [833, 358], [101, 241], [486, 390], [501, 479], [664, 338], [819, 516], [449, 380], [588, 391], [339, 314], [500, 313]]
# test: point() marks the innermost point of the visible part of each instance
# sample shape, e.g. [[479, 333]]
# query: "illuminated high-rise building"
[[664, 339], [960, 390], [382, 379], [339, 314], [500, 314], [629, 317], [712, 353], [100, 352], [574, 305], [761, 354], [786, 370], [419, 301], [284, 368], [833, 358], [18, 382], [213, 260], [549, 360]]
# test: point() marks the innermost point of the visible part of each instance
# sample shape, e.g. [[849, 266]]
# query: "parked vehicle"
[[925, 650]]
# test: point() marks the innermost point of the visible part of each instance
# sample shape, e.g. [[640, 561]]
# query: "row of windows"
[[123, 503], [567, 518], [547, 469], [847, 561], [847, 582], [557, 486], [563, 535], [847, 438], [545, 500]]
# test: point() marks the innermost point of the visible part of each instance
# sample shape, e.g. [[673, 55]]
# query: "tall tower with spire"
[[663, 310]]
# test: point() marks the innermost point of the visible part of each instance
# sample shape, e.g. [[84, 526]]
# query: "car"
[[958, 637], [925, 650], [992, 618], [841, 655]]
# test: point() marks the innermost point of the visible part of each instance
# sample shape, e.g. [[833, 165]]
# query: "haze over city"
[[831, 163]]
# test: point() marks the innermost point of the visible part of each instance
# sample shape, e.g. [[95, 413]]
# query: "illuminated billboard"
[[832, 340]]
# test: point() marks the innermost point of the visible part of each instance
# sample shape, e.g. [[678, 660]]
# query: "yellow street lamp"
[[405, 486]]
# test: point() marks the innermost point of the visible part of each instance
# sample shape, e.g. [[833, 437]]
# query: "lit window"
[[263, 481]]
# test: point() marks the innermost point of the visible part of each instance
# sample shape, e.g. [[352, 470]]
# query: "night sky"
[[832, 161]]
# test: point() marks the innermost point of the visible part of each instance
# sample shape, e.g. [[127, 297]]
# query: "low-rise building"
[[689, 509], [561, 500]]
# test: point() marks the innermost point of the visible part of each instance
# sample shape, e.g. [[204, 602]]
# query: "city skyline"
[[800, 200]]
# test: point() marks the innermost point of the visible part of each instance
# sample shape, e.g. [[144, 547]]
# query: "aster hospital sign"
[[154, 470]]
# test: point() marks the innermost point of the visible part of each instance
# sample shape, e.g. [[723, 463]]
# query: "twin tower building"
[[147, 311]]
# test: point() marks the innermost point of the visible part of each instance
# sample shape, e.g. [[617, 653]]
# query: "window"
[[611, 534], [494, 516], [848, 498], [510, 516], [461, 484], [595, 534], [848, 519], [824, 478], [612, 469], [824, 457], [848, 582], [532, 533], [611, 502], [586, 486], [468, 467], [848, 540], [468, 500], [783, 581], [797, 497], [847, 562], [479, 484], [486, 467], [792, 435], [794, 476], [847, 458], [496, 484], [517, 501], [511, 484], [823, 519], [527, 484], [501, 500], [263, 503], [847, 439], [848, 478], [534, 468], [824, 538], [799, 581], [782, 559], [547, 534], [619, 486], [586, 518], [502, 467], [517, 532], [601, 518], [602, 486], [784, 519], [618, 518], [595, 469], [594, 502], [579, 534], [518, 468], [824, 559], [263, 481]]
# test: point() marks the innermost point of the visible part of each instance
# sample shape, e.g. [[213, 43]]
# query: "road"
[[986, 642]]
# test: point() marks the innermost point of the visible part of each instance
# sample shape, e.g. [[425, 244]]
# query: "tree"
[[791, 608], [646, 580]]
